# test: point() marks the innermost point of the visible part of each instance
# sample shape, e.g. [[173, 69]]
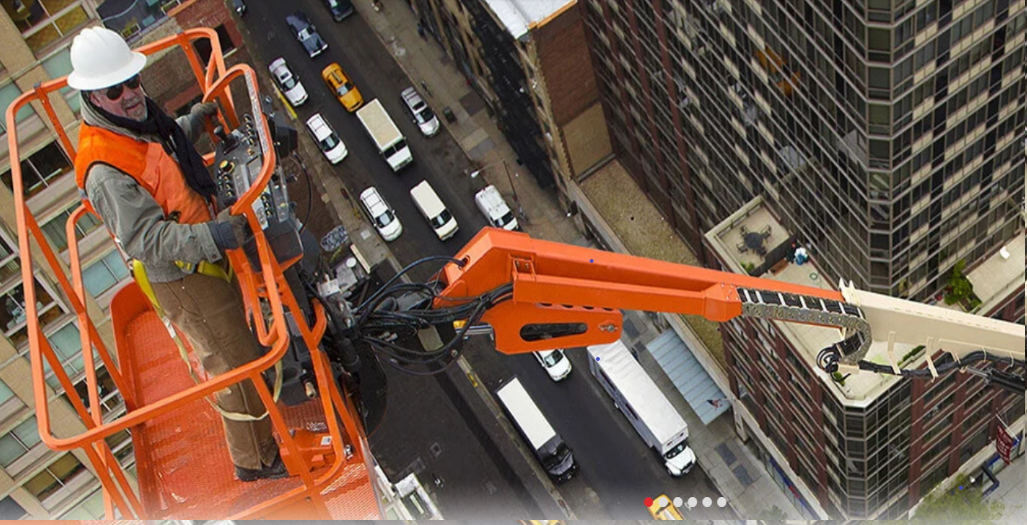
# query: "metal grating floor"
[[182, 460]]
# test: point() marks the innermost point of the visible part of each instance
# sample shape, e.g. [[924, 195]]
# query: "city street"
[[437, 426]]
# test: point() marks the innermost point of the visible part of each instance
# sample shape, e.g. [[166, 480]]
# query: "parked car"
[[240, 7], [337, 81], [288, 82], [340, 9], [329, 142], [424, 117], [491, 204], [381, 214], [555, 362], [306, 33]]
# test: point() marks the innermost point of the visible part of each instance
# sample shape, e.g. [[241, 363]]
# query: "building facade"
[[862, 446], [530, 63], [36, 37], [886, 135]]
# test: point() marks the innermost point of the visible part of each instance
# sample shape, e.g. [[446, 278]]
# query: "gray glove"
[[229, 231], [206, 110]]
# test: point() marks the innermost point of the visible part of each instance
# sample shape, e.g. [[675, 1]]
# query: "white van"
[[491, 204], [550, 450], [386, 136], [643, 404], [431, 207]]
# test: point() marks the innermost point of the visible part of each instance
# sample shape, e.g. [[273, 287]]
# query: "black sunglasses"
[[114, 92]]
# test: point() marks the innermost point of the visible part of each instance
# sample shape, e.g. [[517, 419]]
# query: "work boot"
[[276, 470]]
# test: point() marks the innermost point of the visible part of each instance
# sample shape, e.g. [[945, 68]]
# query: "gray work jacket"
[[135, 218]]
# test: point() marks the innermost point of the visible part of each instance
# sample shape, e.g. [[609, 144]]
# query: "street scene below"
[[510, 261]]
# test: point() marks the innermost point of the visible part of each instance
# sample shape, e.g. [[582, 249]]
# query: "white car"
[[329, 142], [555, 363], [288, 82], [381, 214], [422, 113]]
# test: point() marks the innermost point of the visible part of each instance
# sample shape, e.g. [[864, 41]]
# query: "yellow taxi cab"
[[664, 509], [341, 86]]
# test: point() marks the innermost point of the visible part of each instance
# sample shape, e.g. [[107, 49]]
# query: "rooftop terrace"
[[728, 239]]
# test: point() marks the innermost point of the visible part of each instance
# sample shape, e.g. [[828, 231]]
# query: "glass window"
[[89, 509], [224, 39], [13, 312], [105, 273], [8, 94], [11, 510], [67, 344], [9, 265], [54, 477], [54, 228], [57, 66], [17, 442], [5, 393], [41, 169], [110, 400], [47, 21]]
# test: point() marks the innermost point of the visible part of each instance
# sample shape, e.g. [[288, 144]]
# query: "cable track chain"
[[788, 307]]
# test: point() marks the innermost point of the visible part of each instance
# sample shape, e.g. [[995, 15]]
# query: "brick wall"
[[566, 65], [169, 79]]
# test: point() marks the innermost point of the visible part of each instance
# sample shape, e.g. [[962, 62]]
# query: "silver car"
[[287, 82], [424, 117]]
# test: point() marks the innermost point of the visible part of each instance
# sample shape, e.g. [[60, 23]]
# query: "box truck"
[[550, 450], [636, 395], [391, 143]]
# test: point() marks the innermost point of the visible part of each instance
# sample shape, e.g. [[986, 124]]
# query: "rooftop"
[[728, 239], [999, 275], [520, 15]]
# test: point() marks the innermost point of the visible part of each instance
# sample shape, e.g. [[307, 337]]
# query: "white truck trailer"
[[643, 403]]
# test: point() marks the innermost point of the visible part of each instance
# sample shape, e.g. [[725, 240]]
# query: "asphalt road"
[[429, 420]]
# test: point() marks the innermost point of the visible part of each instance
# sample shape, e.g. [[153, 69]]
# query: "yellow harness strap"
[[211, 270], [206, 268]]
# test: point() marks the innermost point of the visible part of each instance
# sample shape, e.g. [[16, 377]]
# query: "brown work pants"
[[210, 312]]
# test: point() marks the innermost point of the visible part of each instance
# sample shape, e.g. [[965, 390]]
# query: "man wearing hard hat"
[[137, 170]]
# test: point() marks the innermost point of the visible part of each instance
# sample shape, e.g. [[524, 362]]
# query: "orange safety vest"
[[146, 162]]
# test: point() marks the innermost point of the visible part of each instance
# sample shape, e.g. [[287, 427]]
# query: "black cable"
[[946, 363], [404, 271]]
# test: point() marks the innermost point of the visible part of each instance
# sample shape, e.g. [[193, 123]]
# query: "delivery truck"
[[545, 443], [636, 395], [391, 143]]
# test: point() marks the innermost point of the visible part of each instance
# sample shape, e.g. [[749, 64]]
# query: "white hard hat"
[[100, 58]]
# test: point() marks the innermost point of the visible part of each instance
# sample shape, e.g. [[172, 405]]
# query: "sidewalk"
[[1011, 491]]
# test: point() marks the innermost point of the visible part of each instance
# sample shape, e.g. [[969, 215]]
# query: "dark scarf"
[[174, 141]]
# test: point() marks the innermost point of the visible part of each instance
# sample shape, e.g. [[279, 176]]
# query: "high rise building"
[[36, 36], [863, 446], [885, 135]]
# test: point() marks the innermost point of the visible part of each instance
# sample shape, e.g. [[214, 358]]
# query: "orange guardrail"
[[267, 284]]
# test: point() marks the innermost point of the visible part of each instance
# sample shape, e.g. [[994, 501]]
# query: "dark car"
[[306, 33], [340, 9]]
